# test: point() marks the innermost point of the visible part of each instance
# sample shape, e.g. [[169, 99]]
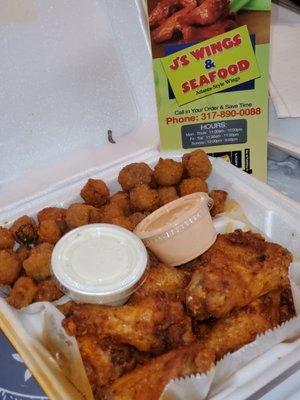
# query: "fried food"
[[286, 306], [166, 194], [22, 252], [208, 12], [219, 197], [124, 222], [143, 198], [104, 360], [6, 239], [197, 164], [123, 201], [192, 33], [168, 172], [192, 185], [57, 214], [238, 268], [81, 214], [153, 325], [137, 217], [37, 265], [49, 231], [22, 293], [171, 25], [47, 291], [112, 210], [148, 381], [242, 326], [10, 267], [135, 174], [95, 192], [24, 230], [164, 9], [164, 280]]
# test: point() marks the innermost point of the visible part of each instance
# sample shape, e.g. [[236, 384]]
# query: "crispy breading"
[[147, 382], [47, 291], [6, 239], [149, 325], [37, 265], [286, 306], [95, 192], [104, 360], [168, 172], [135, 174], [219, 197], [242, 326], [22, 293], [165, 280], [238, 268], [24, 230], [10, 267]]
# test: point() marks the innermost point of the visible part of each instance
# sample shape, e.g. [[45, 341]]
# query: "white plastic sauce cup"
[[179, 231], [99, 264]]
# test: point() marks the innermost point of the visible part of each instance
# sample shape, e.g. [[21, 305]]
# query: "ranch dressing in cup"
[[99, 263], [179, 231]]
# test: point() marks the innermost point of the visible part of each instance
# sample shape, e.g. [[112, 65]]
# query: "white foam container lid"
[[70, 71]]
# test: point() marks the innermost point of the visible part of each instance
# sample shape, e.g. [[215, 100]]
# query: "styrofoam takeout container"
[[70, 72]]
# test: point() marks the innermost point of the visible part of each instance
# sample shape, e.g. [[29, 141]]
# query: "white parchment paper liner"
[[294, 275]]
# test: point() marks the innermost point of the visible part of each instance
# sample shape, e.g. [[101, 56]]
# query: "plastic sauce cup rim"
[[201, 199]]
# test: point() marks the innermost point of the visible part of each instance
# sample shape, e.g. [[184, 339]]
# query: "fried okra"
[[168, 172], [219, 197], [95, 192], [122, 200], [135, 174], [10, 267], [6, 239], [192, 185], [24, 230], [56, 214], [49, 231], [78, 215], [22, 293], [137, 217], [197, 164], [47, 291], [37, 265], [143, 198], [167, 194]]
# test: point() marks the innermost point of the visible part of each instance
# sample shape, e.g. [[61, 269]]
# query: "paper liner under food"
[[294, 275], [64, 349], [207, 386], [194, 387]]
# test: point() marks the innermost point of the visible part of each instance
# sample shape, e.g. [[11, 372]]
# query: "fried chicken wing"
[[104, 360], [242, 326], [208, 12], [148, 325], [286, 306], [238, 268], [148, 381], [164, 9], [171, 25], [192, 33], [165, 280]]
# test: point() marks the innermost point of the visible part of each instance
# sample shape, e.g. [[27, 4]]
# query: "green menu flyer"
[[210, 64]]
